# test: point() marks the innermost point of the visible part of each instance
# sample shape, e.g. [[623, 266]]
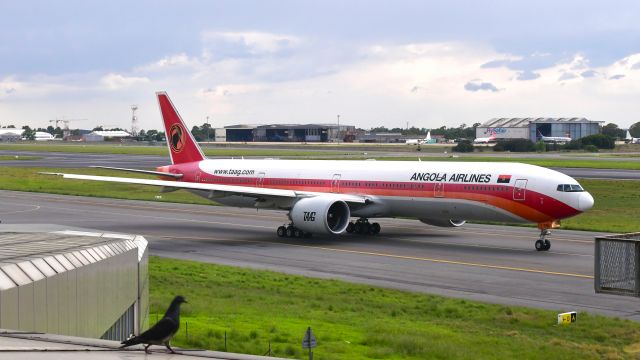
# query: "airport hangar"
[[286, 133], [76, 283], [530, 128]]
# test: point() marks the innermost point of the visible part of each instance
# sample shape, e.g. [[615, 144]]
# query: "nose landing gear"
[[542, 244]]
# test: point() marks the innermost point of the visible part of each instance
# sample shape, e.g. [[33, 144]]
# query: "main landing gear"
[[542, 244], [363, 226], [291, 231]]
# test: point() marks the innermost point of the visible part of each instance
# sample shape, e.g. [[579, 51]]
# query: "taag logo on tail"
[[183, 148], [177, 138]]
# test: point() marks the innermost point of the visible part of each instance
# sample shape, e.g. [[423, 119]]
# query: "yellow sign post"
[[567, 318]]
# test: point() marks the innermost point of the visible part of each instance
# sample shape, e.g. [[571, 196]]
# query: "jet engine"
[[320, 215], [443, 223]]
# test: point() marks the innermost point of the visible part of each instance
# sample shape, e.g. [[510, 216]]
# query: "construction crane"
[[65, 130]]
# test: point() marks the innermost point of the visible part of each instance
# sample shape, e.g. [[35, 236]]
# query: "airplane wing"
[[248, 191]]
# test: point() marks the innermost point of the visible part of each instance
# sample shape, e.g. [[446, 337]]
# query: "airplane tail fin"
[[182, 146]]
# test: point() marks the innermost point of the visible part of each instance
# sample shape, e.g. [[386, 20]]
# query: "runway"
[[479, 262], [79, 160]]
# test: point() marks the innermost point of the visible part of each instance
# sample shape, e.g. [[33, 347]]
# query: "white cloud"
[[116, 81], [426, 84], [253, 42]]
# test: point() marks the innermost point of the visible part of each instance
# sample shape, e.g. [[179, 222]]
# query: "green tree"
[[541, 146], [599, 140], [634, 130], [28, 133], [463, 146], [613, 130]]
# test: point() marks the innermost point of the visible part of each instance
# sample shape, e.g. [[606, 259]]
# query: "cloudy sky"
[[428, 63]]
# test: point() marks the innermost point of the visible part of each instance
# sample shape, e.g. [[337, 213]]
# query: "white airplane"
[[321, 196], [426, 140], [43, 136], [630, 139], [485, 140], [553, 139]]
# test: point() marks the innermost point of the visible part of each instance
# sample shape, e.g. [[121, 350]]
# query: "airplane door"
[[438, 190], [260, 180], [335, 183], [520, 190], [198, 173]]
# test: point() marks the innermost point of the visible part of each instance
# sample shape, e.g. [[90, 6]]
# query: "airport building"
[[530, 128], [76, 283], [286, 133]]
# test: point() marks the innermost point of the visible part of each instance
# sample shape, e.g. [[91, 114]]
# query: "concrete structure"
[[383, 138], [530, 128], [35, 346], [10, 134], [77, 283], [289, 132]]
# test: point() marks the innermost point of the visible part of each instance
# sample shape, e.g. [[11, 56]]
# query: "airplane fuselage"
[[510, 192]]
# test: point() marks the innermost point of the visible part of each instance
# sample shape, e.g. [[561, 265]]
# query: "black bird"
[[162, 332]]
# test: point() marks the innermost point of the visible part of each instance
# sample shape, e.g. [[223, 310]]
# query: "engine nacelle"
[[321, 215], [443, 223]]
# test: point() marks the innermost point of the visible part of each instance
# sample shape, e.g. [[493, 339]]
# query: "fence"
[[617, 264]]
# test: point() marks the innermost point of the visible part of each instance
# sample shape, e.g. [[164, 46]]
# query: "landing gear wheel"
[[542, 244], [298, 233], [350, 227], [289, 231], [375, 228], [282, 231], [357, 228]]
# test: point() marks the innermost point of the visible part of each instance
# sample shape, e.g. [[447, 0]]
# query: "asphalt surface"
[[480, 262], [79, 160]]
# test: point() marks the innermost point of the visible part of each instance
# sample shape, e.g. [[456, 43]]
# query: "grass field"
[[617, 203], [334, 151], [29, 179], [162, 150], [18, 157], [569, 163], [364, 322]]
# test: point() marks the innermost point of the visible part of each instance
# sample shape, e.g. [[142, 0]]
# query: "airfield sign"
[[309, 340]]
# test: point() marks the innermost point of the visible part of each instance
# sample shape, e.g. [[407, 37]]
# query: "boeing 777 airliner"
[[321, 197]]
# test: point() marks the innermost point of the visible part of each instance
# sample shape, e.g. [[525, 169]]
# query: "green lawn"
[[568, 163], [162, 150], [365, 322], [18, 157], [29, 179], [617, 203]]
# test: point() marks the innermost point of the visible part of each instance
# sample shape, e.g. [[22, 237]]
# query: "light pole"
[[207, 128], [338, 128]]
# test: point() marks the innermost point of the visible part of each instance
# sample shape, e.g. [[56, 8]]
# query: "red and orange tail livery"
[[182, 146]]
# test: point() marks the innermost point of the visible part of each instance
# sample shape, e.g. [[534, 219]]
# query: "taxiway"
[[495, 264]]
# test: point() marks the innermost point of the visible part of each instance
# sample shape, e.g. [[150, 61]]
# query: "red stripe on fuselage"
[[536, 207]]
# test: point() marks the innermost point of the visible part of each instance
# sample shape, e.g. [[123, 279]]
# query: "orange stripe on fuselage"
[[536, 208]]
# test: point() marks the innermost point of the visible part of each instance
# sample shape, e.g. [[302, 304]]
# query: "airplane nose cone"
[[585, 201]]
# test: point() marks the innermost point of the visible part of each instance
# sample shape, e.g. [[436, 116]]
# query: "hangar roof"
[[524, 122], [30, 345]]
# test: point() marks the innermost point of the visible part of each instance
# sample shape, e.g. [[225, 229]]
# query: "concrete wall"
[[80, 292]]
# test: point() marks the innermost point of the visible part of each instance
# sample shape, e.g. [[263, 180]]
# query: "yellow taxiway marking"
[[405, 257]]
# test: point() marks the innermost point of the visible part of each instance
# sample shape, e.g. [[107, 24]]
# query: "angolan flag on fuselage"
[[504, 179]]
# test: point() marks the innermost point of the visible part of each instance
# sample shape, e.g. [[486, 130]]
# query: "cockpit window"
[[570, 188]]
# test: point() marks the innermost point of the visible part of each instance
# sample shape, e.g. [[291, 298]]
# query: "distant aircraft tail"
[[182, 146]]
